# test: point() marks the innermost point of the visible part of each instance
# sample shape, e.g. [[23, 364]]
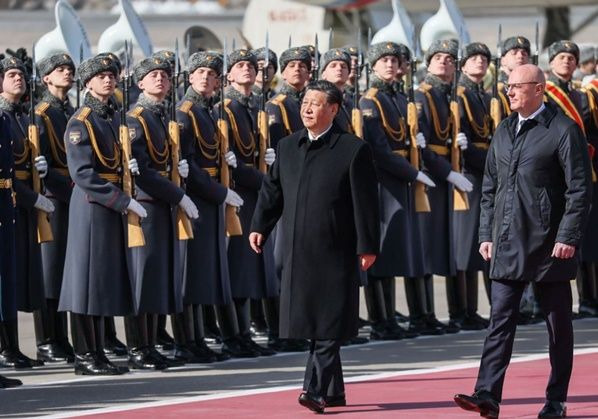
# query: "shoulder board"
[[576, 84], [460, 90], [279, 98], [227, 102], [186, 106], [372, 92], [136, 112], [424, 87], [85, 111], [41, 108]]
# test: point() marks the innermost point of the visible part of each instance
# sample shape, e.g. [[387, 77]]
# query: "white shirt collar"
[[313, 137], [532, 116]]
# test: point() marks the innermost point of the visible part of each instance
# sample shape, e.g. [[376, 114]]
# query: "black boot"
[[10, 353], [258, 327], [210, 323], [234, 348], [415, 291], [112, 345], [473, 321], [164, 340], [392, 325], [50, 334], [6, 382], [456, 294]]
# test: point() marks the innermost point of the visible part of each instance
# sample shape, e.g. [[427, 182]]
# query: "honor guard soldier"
[[51, 116], [96, 280], [433, 97], [207, 281], [272, 67], [335, 66], [587, 65], [401, 250], [405, 59], [252, 276], [476, 124], [563, 57], [515, 51], [158, 265], [30, 283], [8, 291], [284, 109]]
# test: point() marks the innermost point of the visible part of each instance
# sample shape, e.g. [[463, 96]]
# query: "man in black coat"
[[536, 197], [329, 218]]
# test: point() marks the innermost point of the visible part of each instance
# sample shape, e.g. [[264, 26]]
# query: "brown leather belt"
[[404, 153], [23, 174], [212, 171], [483, 146], [164, 173], [441, 150], [5, 183], [110, 177]]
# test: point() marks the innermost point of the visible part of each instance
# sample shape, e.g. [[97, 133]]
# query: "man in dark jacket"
[[536, 197], [329, 218]]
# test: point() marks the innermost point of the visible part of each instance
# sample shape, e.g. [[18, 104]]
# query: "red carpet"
[[426, 395]]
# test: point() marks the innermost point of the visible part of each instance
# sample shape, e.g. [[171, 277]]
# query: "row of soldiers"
[[150, 204]]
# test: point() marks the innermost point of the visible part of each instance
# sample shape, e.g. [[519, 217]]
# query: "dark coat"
[[157, 266], [589, 248], [8, 278], [51, 117], [206, 279], [284, 114], [329, 216], [536, 191], [30, 281], [96, 280], [343, 118], [401, 247]]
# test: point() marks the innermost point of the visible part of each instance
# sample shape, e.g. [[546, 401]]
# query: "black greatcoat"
[[326, 193], [8, 286], [30, 281], [536, 191], [157, 266], [251, 275], [589, 99], [206, 280], [284, 113], [96, 278], [51, 117]]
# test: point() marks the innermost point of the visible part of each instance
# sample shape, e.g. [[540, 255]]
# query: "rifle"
[[186, 72], [184, 227], [460, 201], [78, 82], [135, 237], [356, 116], [495, 110], [422, 204], [316, 70], [231, 221], [537, 51], [44, 229], [262, 117], [367, 66]]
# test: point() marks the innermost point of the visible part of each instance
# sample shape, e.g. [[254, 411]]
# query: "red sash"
[[564, 101]]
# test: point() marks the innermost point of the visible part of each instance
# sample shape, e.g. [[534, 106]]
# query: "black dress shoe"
[[6, 382], [401, 318], [587, 310], [553, 409], [480, 401], [140, 359], [312, 402], [380, 331], [113, 346], [9, 359], [286, 345], [52, 352], [158, 357], [164, 341], [118, 370], [88, 364], [258, 327], [234, 348], [184, 354], [394, 327], [335, 401], [249, 343], [201, 347], [357, 340], [474, 322], [424, 329]]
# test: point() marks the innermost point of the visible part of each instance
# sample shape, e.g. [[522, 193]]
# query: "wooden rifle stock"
[[495, 112], [44, 229], [460, 201], [422, 204], [134, 231], [231, 222], [357, 122], [262, 124], [184, 226]]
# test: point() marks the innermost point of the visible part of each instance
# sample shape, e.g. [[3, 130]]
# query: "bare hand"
[[563, 251], [366, 261], [486, 250], [256, 240]]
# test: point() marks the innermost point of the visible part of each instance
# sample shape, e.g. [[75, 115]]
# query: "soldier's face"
[[296, 74], [155, 83], [61, 77], [476, 65], [102, 85], [14, 82], [386, 67], [514, 58], [242, 73], [260, 70], [442, 65], [316, 113], [563, 65], [336, 72], [204, 80]]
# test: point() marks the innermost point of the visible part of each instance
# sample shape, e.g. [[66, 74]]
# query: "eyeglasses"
[[518, 86]]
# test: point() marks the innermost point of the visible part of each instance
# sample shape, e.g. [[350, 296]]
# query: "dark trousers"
[[324, 373], [555, 301]]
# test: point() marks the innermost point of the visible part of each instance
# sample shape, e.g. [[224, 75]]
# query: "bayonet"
[[265, 71], [316, 69], [367, 66], [537, 52], [290, 42], [234, 44], [330, 37]]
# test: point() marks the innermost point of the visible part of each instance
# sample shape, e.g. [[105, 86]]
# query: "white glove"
[[233, 198], [134, 167], [460, 181], [231, 159], [420, 140], [462, 141], [425, 179], [137, 208], [270, 156], [189, 207], [41, 165], [183, 168], [44, 204]]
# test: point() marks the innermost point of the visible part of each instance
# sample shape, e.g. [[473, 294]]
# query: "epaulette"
[[424, 87], [118, 95], [85, 111], [136, 111], [186, 106], [371, 93], [41, 108], [460, 90], [227, 102], [279, 98], [576, 84]]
